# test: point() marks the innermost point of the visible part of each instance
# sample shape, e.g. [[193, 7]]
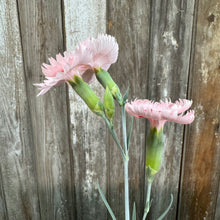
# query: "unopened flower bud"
[[109, 104], [154, 151], [87, 94], [106, 80]]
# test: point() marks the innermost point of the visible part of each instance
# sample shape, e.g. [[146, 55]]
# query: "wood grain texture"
[[85, 19], [128, 21], [54, 149], [41, 34], [18, 185], [169, 58], [217, 207], [200, 180]]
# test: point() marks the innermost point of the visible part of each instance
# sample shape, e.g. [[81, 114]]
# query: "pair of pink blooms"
[[90, 54], [102, 52]]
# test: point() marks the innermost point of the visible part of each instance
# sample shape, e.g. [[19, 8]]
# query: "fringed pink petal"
[[160, 112], [56, 65], [43, 88], [92, 53], [183, 105], [104, 50], [49, 83], [82, 55], [143, 109], [188, 118]]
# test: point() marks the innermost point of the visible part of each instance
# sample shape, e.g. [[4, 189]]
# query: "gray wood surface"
[[54, 150], [130, 71], [169, 58], [19, 191], [42, 37], [85, 19], [202, 141]]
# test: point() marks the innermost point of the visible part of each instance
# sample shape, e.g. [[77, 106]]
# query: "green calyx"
[[87, 94], [105, 79], [154, 151], [109, 104]]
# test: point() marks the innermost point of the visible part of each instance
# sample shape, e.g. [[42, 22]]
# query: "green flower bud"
[[154, 151], [87, 94], [109, 104], [105, 79]]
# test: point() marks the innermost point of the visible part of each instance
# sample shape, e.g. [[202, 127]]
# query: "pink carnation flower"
[[90, 54], [104, 51], [160, 112]]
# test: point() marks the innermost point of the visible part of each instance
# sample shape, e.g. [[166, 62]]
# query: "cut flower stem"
[[92, 59], [148, 203], [124, 153], [126, 183], [114, 135]]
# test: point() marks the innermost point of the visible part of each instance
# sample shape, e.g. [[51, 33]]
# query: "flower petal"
[[160, 112], [188, 118], [183, 105], [92, 53], [104, 50]]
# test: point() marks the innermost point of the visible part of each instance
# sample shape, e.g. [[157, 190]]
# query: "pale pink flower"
[[90, 54], [104, 50], [160, 112], [63, 68]]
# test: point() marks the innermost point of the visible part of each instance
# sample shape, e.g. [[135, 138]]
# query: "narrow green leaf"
[[167, 210], [129, 132], [106, 203], [134, 212], [125, 97], [114, 135]]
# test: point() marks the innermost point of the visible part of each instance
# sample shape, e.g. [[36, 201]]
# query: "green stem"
[[147, 204], [112, 131], [124, 129], [124, 154], [126, 184]]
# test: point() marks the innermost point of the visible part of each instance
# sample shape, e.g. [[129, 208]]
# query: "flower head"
[[160, 112], [63, 68], [104, 51], [90, 54]]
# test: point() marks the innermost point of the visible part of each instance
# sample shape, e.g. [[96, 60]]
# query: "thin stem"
[[124, 129], [124, 154], [112, 131], [147, 204], [126, 184], [129, 133], [127, 213]]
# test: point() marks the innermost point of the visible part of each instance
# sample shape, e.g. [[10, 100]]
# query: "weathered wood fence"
[[53, 149]]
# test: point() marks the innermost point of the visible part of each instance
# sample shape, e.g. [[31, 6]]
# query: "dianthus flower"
[[160, 112], [90, 54]]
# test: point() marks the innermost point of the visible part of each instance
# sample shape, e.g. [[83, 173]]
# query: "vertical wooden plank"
[[41, 33], [128, 21], [18, 185], [169, 58], [85, 19], [217, 209], [202, 143], [3, 204]]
